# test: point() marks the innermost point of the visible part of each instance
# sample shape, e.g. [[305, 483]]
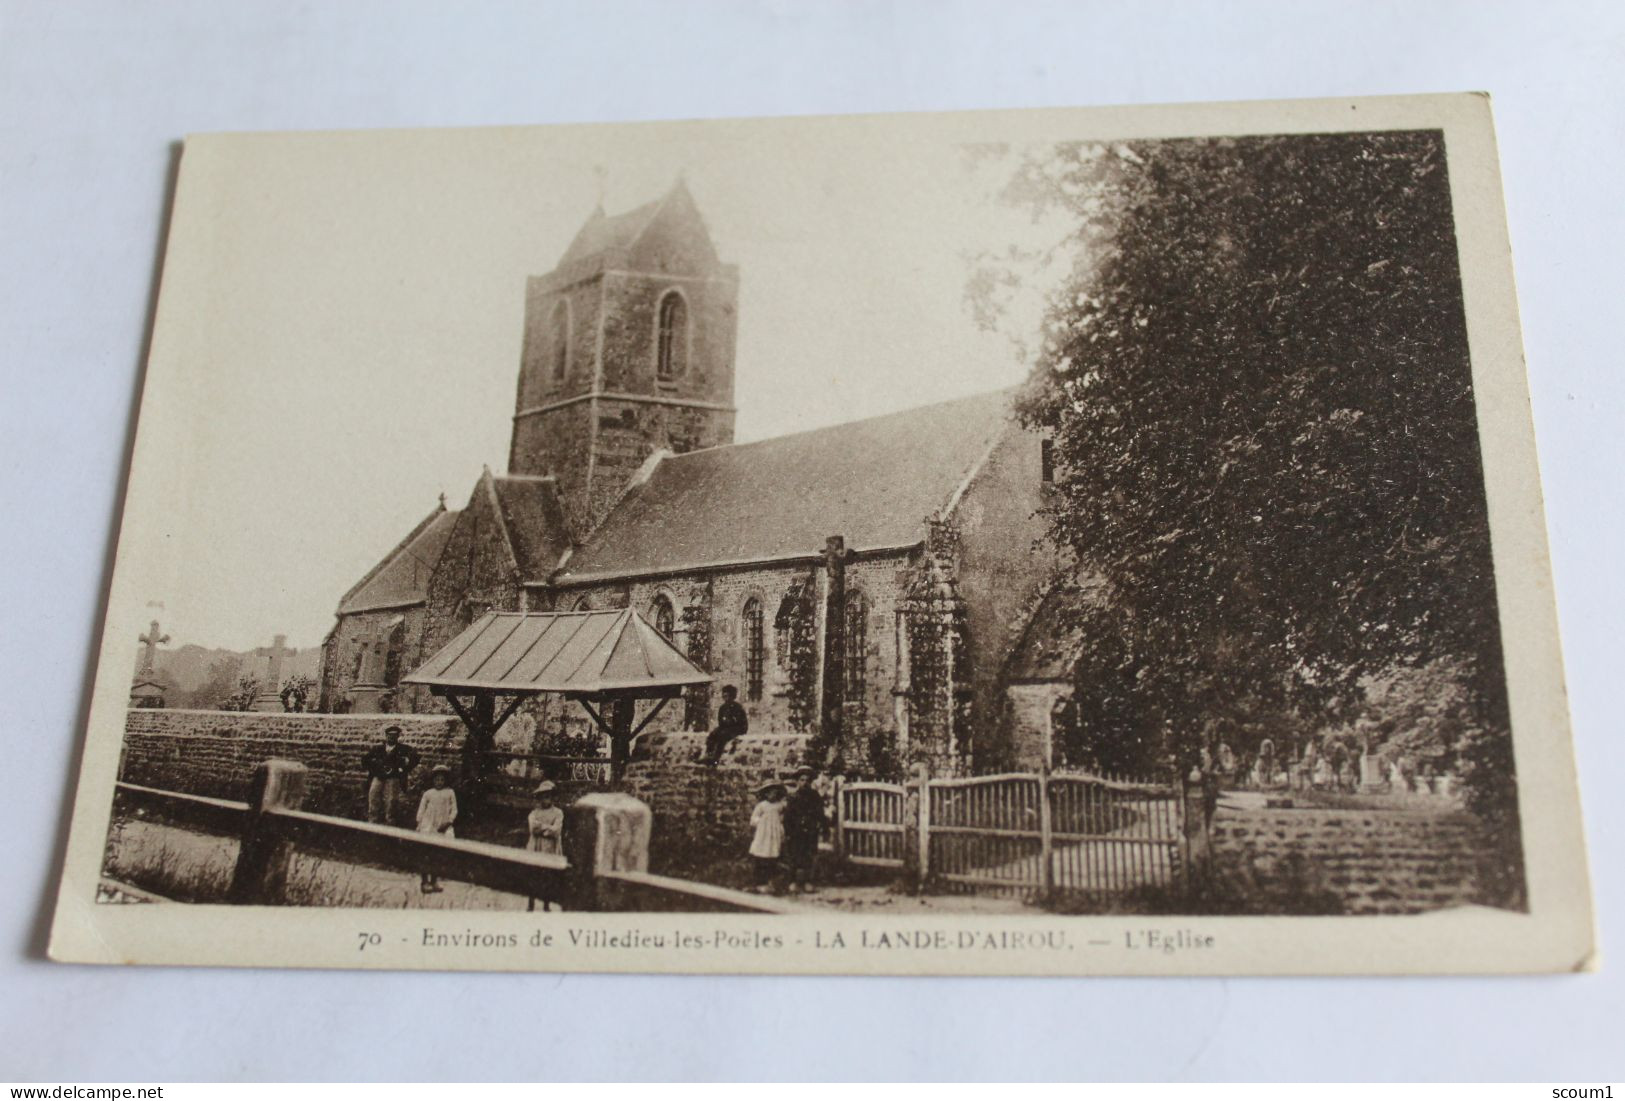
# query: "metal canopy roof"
[[575, 653]]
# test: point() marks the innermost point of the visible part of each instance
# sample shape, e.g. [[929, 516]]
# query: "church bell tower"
[[629, 349]]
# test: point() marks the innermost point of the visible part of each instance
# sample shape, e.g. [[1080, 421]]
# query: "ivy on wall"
[[697, 628], [795, 632], [938, 697]]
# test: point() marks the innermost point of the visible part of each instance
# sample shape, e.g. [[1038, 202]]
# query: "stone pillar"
[[832, 713], [901, 686], [604, 832], [262, 858], [1198, 828]]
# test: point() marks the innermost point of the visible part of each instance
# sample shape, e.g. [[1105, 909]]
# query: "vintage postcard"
[[1052, 542]]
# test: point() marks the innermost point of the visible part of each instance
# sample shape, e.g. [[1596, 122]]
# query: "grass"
[[169, 861]]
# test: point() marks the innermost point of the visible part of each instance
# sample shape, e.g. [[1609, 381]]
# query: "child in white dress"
[[545, 827], [767, 824], [546, 822], [437, 810]]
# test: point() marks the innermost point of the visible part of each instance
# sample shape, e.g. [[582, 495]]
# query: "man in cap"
[[388, 764], [803, 823]]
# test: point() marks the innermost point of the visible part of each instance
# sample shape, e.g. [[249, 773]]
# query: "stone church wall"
[[538, 384], [1030, 723], [342, 655], [1003, 561], [726, 592], [474, 575], [631, 322], [558, 443], [214, 752]]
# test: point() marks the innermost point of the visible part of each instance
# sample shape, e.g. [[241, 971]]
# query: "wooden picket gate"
[[1022, 832], [870, 822]]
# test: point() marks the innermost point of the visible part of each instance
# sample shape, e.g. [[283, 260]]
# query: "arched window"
[[751, 622], [560, 328], [857, 646], [397, 651], [673, 348], [664, 616], [583, 603]]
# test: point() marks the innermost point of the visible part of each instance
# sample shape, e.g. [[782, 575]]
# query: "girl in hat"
[[546, 821], [767, 822], [437, 810]]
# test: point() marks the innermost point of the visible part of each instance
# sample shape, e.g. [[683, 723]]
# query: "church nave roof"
[[873, 481]]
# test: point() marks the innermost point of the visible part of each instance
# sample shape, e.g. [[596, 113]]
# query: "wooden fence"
[[869, 823], [603, 868], [1026, 832]]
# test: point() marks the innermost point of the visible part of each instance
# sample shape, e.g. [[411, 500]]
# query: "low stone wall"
[[1373, 861], [214, 752], [698, 807]]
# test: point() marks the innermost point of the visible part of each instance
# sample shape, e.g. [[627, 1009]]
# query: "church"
[[876, 584]]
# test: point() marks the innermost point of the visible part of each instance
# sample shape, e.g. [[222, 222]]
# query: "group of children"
[[437, 813], [786, 824], [785, 827]]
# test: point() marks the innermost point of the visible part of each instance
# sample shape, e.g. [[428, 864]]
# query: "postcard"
[[1050, 542]]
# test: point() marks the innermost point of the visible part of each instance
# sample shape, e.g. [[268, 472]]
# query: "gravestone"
[[270, 697]]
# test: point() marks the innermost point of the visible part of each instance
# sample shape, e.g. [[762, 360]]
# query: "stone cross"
[[278, 652], [152, 640]]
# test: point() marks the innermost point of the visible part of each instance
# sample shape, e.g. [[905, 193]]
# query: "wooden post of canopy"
[[479, 713], [618, 723], [620, 735]]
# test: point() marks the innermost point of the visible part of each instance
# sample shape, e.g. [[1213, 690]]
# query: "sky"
[[341, 316]]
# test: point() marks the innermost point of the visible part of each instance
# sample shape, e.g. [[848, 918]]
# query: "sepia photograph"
[[1025, 541]]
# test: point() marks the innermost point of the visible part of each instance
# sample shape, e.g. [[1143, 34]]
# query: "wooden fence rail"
[[604, 867]]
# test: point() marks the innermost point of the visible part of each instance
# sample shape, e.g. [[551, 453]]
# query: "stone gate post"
[[262, 858]]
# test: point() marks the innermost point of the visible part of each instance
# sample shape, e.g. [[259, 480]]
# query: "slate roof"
[[402, 578], [537, 527], [533, 521], [577, 652], [873, 481], [602, 232]]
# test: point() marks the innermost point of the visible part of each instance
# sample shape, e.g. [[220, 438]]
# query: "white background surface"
[[92, 95]]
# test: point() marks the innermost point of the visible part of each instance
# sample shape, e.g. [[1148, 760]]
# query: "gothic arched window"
[[857, 646], [673, 346], [664, 616], [751, 621], [395, 654], [583, 603], [560, 351]]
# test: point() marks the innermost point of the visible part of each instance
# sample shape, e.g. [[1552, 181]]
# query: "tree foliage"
[[1257, 380], [218, 684]]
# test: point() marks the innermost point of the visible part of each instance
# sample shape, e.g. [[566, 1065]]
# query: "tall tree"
[[1257, 380]]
